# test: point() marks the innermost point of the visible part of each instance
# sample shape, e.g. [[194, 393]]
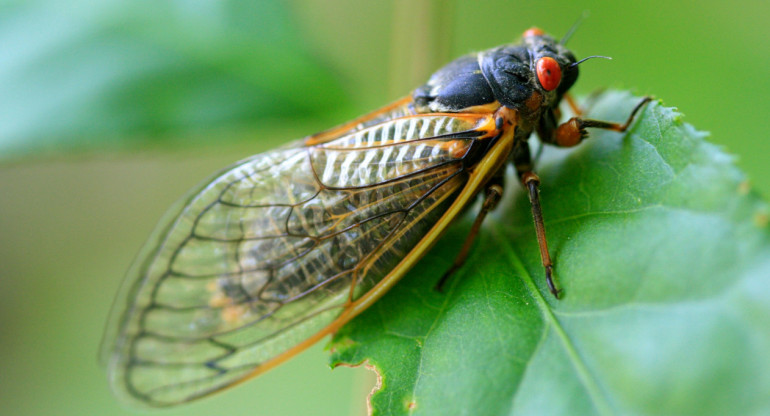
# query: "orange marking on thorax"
[[534, 101], [484, 108], [509, 115]]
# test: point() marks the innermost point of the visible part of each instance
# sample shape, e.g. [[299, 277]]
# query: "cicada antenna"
[[574, 27], [587, 58]]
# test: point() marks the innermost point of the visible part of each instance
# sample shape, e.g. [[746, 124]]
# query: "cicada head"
[[531, 75]]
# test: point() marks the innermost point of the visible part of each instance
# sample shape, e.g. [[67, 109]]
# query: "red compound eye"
[[548, 73], [533, 31]]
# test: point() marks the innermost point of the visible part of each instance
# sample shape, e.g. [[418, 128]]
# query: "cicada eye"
[[548, 73], [533, 31]]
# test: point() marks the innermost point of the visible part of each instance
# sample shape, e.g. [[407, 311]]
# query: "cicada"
[[285, 247]]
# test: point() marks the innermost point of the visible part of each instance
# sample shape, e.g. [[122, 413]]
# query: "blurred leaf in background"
[[200, 83], [91, 74]]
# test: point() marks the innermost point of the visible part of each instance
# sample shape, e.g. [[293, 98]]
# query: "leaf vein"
[[430, 330], [585, 376]]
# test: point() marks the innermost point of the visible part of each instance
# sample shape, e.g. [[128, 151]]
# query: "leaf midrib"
[[584, 375], [439, 314]]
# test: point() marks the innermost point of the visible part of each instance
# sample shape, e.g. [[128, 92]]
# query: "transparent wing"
[[399, 108], [272, 251]]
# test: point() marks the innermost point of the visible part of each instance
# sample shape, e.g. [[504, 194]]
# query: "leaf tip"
[[377, 385], [342, 352]]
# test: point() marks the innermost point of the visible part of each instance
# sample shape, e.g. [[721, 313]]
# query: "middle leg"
[[494, 191]]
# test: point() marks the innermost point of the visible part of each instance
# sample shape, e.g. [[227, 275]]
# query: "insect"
[[285, 247]]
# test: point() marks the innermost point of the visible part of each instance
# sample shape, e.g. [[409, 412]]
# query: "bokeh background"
[[110, 110]]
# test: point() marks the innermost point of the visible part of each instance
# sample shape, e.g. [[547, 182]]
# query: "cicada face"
[[281, 249], [539, 67]]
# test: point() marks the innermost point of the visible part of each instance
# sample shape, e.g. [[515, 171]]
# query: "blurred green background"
[[111, 110]]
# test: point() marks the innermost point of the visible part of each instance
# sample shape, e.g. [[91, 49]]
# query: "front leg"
[[522, 160], [573, 131]]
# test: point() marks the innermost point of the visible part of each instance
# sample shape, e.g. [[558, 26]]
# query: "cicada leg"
[[522, 160], [531, 181], [573, 131], [494, 191], [573, 105], [588, 103], [567, 134]]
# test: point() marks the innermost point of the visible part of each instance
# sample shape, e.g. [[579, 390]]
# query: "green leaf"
[[663, 253]]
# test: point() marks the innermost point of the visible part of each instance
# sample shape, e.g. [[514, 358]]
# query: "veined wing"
[[397, 109], [272, 251]]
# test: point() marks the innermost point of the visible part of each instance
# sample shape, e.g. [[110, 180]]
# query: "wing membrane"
[[398, 108], [272, 251]]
